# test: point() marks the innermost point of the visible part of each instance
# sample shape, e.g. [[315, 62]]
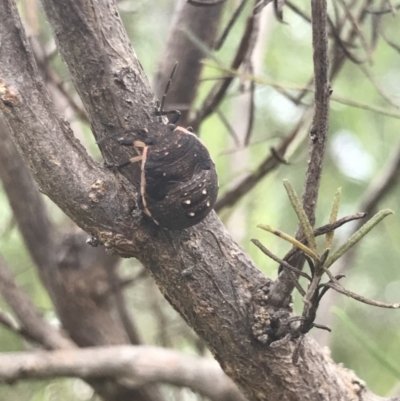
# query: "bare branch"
[[330, 227], [135, 366], [321, 108]]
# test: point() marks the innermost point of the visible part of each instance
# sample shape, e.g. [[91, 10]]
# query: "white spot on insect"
[[185, 194], [200, 185], [179, 146], [208, 204], [187, 202], [204, 192], [195, 155], [164, 174], [191, 214], [166, 153]]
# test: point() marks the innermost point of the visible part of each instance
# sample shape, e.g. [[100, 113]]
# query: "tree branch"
[[283, 286], [136, 366]]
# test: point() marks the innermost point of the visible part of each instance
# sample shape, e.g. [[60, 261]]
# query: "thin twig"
[[321, 109], [228, 127], [230, 197], [252, 108], [218, 92], [338, 57], [278, 260], [357, 28], [357, 236], [282, 88], [330, 227], [333, 32], [362, 299], [342, 45], [286, 265], [225, 33]]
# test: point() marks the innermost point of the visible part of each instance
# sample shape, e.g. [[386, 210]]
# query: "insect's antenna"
[[167, 87]]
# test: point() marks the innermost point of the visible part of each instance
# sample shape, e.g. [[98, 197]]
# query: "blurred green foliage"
[[360, 144]]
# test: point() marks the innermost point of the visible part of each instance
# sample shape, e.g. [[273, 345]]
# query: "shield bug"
[[178, 180]]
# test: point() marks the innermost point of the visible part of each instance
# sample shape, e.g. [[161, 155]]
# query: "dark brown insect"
[[178, 182]]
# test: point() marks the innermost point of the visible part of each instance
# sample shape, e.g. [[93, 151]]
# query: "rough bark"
[[201, 271]]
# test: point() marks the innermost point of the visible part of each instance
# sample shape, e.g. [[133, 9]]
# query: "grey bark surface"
[[201, 271]]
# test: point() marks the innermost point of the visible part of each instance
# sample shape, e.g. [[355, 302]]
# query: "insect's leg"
[[130, 161], [176, 115], [126, 162], [131, 142], [139, 144]]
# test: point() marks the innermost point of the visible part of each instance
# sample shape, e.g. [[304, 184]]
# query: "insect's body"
[[178, 181], [179, 184]]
